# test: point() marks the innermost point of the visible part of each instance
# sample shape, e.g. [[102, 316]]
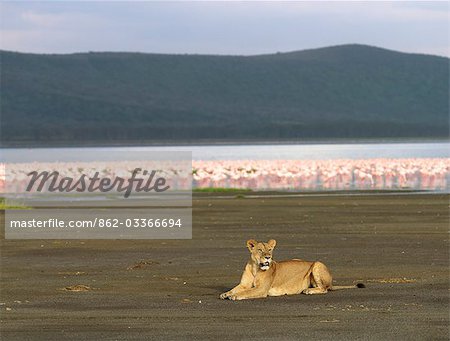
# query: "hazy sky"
[[222, 27]]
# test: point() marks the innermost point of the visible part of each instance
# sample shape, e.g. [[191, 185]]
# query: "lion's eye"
[[259, 250]]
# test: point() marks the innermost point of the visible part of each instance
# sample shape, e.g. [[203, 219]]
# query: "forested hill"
[[347, 91]]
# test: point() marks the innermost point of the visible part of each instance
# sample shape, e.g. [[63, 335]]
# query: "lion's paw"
[[224, 296]]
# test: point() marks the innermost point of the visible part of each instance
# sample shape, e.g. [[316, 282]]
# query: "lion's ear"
[[272, 243], [251, 243]]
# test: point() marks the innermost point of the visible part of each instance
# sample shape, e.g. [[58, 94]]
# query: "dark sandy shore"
[[398, 245]]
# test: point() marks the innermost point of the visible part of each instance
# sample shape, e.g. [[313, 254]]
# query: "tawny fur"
[[264, 277]]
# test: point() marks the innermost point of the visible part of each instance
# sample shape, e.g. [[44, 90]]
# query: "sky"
[[226, 28]]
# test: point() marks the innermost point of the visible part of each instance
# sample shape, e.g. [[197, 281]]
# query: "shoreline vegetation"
[[11, 205], [221, 190]]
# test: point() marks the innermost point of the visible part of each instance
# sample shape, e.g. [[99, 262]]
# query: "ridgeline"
[[348, 91]]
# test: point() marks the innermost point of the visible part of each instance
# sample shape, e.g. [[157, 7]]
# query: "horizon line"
[[226, 55]]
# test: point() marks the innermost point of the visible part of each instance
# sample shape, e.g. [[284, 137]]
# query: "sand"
[[398, 245]]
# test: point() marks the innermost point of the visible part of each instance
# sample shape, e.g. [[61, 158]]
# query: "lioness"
[[264, 277]]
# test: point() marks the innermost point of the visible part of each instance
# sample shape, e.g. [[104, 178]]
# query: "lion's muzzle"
[[265, 265]]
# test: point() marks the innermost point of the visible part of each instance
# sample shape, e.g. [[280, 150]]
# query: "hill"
[[346, 91]]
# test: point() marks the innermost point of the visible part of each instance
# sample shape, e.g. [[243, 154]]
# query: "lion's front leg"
[[261, 288], [245, 283], [249, 294], [238, 288]]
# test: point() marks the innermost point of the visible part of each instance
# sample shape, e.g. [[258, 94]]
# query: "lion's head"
[[261, 253]]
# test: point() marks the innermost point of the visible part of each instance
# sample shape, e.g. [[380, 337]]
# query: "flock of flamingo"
[[430, 174], [294, 175]]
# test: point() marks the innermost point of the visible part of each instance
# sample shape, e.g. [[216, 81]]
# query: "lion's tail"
[[341, 287]]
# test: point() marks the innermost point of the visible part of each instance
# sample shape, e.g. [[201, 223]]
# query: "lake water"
[[274, 151], [351, 172]]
